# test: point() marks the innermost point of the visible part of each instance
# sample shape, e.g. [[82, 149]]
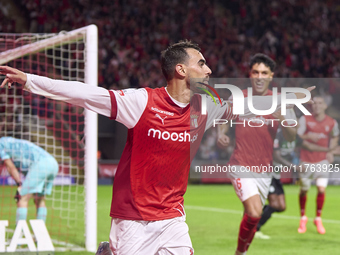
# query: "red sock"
[[302, 201], [320, 199], [251, 238], [247, 231]]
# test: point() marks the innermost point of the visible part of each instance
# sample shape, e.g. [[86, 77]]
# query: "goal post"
[[67, 132], [91, 131]]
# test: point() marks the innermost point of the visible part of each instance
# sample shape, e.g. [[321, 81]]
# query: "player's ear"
[[271, 76], [180, 70]]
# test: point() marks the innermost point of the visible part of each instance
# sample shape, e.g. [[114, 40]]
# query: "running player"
[[39, 167], [254, 147], [151, 179], [322, 130]]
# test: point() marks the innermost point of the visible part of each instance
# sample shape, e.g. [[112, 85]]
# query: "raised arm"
[[125, 107], [93, 98]]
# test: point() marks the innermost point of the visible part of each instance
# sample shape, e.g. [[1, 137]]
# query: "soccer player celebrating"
[[39, 167], [254, 147], [147, 202], [322, 130]]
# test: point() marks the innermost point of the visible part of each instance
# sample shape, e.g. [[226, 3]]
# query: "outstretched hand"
[[302, 95], [223, 141], [12, 75]]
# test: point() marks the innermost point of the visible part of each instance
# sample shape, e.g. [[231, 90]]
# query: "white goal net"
[[67, 132]]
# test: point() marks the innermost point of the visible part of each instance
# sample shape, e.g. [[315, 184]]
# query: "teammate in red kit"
[[147, 202], [321, 130], [254, 148], [283, 156]]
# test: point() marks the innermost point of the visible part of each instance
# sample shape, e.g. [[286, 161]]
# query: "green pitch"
[[214, 214]]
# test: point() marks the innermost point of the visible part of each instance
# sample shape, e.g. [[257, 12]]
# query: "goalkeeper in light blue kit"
[[39, 168]]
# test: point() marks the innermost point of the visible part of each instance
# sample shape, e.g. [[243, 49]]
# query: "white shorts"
[[251, 185], [315, 171], [162, 237]]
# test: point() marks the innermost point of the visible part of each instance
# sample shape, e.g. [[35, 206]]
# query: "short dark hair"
[[262, 58], [319, 96], [175, 54]]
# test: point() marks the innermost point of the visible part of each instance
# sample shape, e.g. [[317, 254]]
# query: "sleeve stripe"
[[229, 114], [113, 105]]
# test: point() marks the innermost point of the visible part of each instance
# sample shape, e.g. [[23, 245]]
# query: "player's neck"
[[260, 93], [320, 116], [179, 91]]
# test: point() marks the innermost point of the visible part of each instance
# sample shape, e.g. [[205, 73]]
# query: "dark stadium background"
[[302, 36]]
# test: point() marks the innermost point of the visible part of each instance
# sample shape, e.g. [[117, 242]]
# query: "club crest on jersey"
[[194, 121], [159, 117], [121, 92], [327, 128]]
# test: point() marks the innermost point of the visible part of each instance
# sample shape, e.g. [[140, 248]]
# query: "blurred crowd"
[[302, 36]]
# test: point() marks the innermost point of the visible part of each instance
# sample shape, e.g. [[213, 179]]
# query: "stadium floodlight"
[[68, 132]]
